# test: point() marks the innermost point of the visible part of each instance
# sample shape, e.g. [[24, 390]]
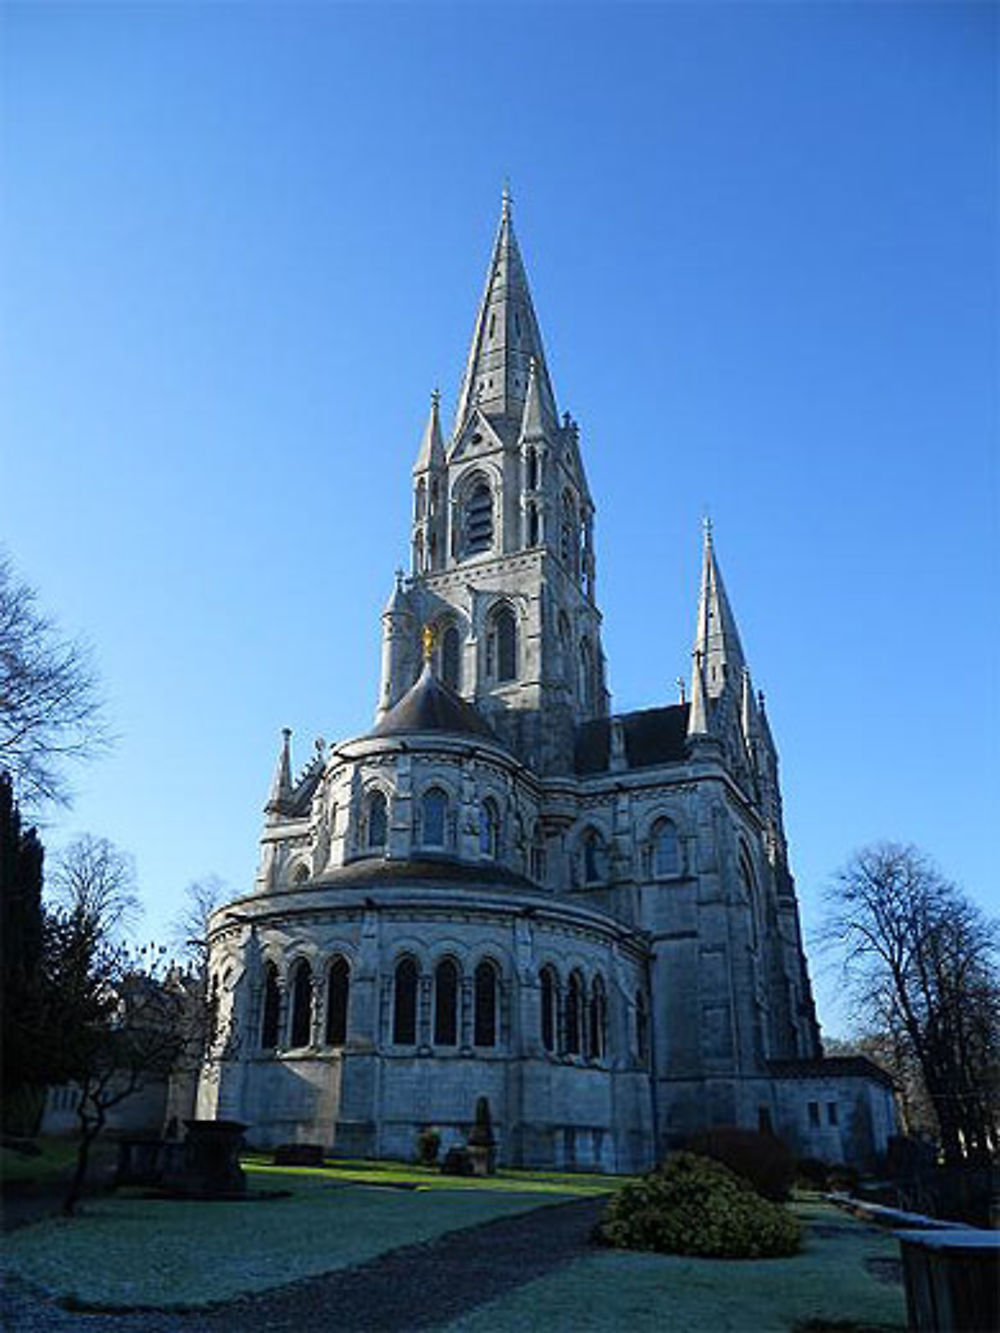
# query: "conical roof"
[[429, 705]]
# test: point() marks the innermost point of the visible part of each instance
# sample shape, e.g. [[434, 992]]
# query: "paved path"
[[417, 1287]]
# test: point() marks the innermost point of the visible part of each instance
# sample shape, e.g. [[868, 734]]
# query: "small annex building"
[[503, 888]]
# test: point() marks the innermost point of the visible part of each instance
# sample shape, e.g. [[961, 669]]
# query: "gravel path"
[[417, 1287]]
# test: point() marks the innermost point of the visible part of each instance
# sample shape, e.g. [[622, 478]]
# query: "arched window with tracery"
[[477, 518], [376, 820], [300, 1033], [485, 1009], [665, 848], [549, 1003], [446, 1003], [451, 658], [338, 987], [433, 818], [404, 1003], [489, 829], [598, 1026], [574, 1014], [271, 1009], [501, 646], [593, 857]]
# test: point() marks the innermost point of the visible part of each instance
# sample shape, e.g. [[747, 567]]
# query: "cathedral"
[[504, 888]]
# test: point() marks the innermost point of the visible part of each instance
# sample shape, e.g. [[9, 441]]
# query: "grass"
[[52, 1164], [128, 1252], [407, 1175], [826, 1286]]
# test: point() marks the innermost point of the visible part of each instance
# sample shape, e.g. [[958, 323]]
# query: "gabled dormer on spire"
[[428, 539], [505, 340]]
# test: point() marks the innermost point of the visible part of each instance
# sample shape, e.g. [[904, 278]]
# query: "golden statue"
[[429, 639]]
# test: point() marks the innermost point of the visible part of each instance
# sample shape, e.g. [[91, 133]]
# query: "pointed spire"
[[431, 451], [716, 638], [505, 339], [397, 603], [532, 423], [698, 714], [281, 786]]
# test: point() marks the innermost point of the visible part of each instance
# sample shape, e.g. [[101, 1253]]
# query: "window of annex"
[[300, 1028], [404, 1003], [271, 1009], [338, 990], [446, 982], [433, 826], [501, 646], [486, 986]]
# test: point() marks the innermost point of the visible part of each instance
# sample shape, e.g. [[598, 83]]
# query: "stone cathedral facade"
[[506, 889]]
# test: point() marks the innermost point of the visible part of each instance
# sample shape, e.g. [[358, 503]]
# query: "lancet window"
[[300, 1032], [271, 1008], [446, 1003], [485, 1013], [338, 988], [404, 1006]]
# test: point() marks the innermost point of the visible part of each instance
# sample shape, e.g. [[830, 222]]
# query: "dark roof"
[[831, 1066], [378, 870], [652, 736], [430, 705]]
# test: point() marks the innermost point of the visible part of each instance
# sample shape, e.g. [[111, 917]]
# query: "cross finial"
[[436, 397], [706, 524], [400, 576], [681, 688]]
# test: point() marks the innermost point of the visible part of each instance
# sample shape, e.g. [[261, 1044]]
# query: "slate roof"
[[652, 736], [430, 705], [831, 1066]]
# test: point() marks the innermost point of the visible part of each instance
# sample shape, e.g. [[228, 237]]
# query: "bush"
[[428, 1146], [693, 1205], [762, 1159]]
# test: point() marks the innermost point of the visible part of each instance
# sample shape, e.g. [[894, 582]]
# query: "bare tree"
[[94, 881], [50, 706], [921, 961], [189, 929]]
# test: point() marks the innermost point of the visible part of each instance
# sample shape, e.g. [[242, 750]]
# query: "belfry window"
[[301, 1028], [337, 994], [446, 1004], [433, 818], [485, 1018], [479, 519], [404, 1007], [451, 658], [377, 821], [271, 1009]]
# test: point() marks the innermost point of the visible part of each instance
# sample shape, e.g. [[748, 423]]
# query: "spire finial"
[[506, 199], [706, 525], [681, 689], [435, 397]]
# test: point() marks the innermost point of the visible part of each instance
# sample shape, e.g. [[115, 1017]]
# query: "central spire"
[[505, 341]]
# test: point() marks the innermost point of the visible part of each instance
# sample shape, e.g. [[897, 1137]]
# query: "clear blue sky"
[[241, 243]]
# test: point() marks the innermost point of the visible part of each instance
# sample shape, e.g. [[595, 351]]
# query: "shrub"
[[763, 1159], [693, 1205], [428, 1146]]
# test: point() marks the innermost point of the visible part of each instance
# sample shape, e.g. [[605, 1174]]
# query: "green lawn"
[[127, 1251], [53, 1162], [649, 1293]]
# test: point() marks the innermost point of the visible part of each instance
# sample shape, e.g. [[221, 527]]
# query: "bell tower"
[[502, 561]]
